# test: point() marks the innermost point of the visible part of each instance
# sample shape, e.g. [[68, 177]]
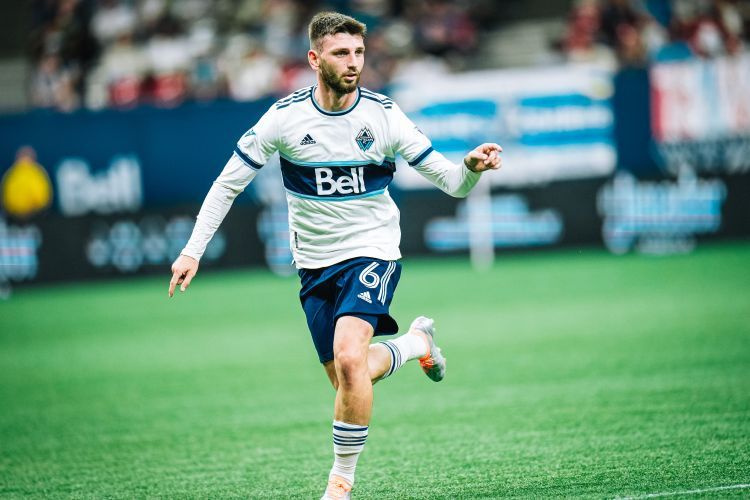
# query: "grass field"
[[573, 374]]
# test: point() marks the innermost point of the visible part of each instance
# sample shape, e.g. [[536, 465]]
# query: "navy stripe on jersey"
[[294, 98], [421, 157], [380, 97], [299, 98], [246, 159], [282, 106], [386, 106], [336, 183], [385, 101], [303, 91]]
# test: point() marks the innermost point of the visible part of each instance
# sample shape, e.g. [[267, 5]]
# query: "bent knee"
[[350, 347], [351, 359], [351, 364]]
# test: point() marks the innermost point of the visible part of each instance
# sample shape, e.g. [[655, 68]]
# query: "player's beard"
[[335, 81]]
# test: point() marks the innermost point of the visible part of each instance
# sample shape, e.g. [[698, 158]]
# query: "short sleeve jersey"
[[336, 169]]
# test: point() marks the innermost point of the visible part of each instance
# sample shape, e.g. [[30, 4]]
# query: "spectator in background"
[[381, 64], [616, 15], [53, 85], [709, 28], [124, 66], [113, 18], [167, 51], [621, 25], [62, 51], [580, 41], [728, 19], [443, 28], [626, 27], [251, 72]]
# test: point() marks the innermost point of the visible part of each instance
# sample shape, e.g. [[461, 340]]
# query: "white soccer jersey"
[[336, 168]]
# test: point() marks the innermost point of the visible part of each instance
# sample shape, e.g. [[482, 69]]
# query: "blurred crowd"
[[123, 53], [637, 32]]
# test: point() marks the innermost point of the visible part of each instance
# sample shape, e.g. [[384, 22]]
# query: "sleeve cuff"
[[189, 253], [470, 171]]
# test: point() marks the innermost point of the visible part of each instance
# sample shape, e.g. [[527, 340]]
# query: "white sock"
[[348, 442], [405, 348]]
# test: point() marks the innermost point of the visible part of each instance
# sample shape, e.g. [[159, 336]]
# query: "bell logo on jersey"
[[345, 184]]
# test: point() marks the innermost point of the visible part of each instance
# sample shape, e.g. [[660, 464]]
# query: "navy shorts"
[[361, 287]]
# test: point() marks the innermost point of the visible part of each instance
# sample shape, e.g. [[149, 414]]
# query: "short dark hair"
[[330, 23]]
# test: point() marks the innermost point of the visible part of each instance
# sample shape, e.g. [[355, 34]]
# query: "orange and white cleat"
[[432, 363], [338, 489]]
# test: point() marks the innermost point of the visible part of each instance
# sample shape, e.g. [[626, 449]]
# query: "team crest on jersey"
[[365, 139]]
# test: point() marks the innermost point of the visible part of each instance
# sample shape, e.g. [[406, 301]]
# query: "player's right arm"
[[252, 151]]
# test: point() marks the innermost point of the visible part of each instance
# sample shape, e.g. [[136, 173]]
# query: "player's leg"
[[358, 289], [379, 361], [319, 296], [364, 292], [355, 368], [353, 405], [351, 343], [362, 301], [417, 343]]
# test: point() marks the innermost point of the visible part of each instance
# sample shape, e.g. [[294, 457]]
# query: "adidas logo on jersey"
[[307, 140], [365, 296]]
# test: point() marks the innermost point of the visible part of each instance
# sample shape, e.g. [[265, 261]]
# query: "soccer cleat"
[[432, 363], [338, 489]]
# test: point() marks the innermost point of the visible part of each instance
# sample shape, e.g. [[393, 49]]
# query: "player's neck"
[[330, 100]]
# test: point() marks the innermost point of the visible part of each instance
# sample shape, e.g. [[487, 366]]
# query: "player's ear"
[[313, 59]]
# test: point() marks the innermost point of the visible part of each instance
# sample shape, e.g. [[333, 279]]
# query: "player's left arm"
[[484, 157], [455, 180]]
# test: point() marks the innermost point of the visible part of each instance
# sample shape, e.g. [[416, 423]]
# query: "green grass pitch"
[[570, 374]]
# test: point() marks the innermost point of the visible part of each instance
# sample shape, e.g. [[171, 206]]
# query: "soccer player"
[[337, 144]]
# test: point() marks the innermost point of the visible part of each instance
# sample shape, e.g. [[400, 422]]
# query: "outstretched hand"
[[183, 270], [484, 157]]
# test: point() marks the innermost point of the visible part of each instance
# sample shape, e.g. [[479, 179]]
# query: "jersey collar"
[[334, 113]]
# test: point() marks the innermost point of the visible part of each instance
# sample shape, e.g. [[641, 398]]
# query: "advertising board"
[[555, 123], [700, 114]]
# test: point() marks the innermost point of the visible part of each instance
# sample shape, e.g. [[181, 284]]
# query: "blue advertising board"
[[554, 123], [119, 161]]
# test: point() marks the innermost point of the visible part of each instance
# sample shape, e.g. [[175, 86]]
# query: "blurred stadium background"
[[600, 337]]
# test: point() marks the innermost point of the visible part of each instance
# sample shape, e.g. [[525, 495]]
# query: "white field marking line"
[[687, 492]]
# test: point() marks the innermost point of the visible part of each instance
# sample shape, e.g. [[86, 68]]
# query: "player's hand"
[[183, 270], [484, 157]]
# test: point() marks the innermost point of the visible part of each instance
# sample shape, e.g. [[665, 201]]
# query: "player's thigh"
[[319, 311], [352, 336]]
